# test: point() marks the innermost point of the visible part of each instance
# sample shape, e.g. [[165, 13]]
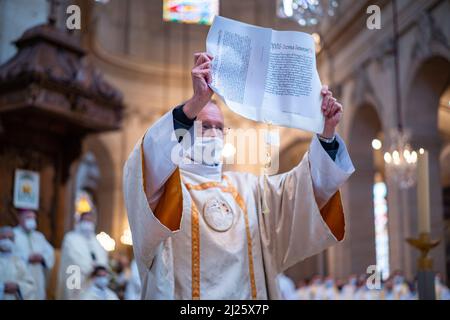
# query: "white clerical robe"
[[348, 292], [401, 291], [303, 293], [286, 287], [442, 291], [133, 288], [14, 269], [199, 233], [31, 242], [92, 292], [330, 293], [84, 252]]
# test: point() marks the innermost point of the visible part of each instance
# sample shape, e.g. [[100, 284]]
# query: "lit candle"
[[423, 192]]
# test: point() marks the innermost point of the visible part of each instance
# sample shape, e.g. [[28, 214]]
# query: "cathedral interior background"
[[74, 103]]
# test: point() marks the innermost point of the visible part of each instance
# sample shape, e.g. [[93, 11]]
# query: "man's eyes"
[[205, 128]]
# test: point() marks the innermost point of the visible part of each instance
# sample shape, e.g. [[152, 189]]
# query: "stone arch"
[[361, 94], [430, 77], [106, 182], [428, 83], [365, 125], [430, 44]]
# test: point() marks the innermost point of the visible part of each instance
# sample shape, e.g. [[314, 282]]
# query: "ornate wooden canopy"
[[51, 80], [51, 97]]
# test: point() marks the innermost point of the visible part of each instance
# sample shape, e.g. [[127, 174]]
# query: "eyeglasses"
[[208, 128]]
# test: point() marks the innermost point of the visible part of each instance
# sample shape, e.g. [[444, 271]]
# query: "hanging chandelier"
[[307, 12], [401, 160]]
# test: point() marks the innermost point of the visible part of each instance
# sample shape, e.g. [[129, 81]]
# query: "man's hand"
[[332, 111], [201, 77], [11, 287], [35, 258]]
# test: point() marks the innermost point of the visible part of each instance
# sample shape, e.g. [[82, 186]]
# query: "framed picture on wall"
[[26, 189]]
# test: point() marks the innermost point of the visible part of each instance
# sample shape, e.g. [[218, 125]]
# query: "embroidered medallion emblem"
[[218, 215]]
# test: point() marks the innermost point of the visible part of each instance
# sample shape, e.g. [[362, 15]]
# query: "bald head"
[[212, 120]]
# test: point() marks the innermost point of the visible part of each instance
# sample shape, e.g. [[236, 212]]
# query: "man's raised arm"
[[152, 184], [305, 211]]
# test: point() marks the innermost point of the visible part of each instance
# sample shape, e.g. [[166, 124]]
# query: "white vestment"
[[317, 292], [348, 292], [364, 293], [14, 269], [303, 293], [286, 287], [133, 288], [401, 291], [92, 292], [387, 294], [442, 291], [83, 253], [201, 255], [31, 242], [331, 293]]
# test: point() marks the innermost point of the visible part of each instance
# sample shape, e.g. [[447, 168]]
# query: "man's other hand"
[[332, 111], [201, 78]]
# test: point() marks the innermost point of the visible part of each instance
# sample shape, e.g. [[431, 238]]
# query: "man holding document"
[[199, 232]]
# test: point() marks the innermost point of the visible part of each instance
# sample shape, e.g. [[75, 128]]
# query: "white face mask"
[[101, 282], [87, 227], [6, 245], [206, 150], [30, 224], [398, 280]]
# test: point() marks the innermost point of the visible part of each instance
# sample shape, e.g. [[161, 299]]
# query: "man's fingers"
[[336, 109], [201, 57], [337, 117], [326, 100], [331, 102], [340, 109], [333, 109], [208, 78], [196, 56], [204, 74], [206, 54], [204, 65], [201, 72]]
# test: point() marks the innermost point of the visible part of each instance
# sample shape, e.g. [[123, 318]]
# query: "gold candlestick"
[[424, 244]]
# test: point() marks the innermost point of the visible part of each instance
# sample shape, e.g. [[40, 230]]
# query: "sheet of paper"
[[266, 75]]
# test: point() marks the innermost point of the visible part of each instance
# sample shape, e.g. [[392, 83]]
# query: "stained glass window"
[[190, 11], [381, 227]]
